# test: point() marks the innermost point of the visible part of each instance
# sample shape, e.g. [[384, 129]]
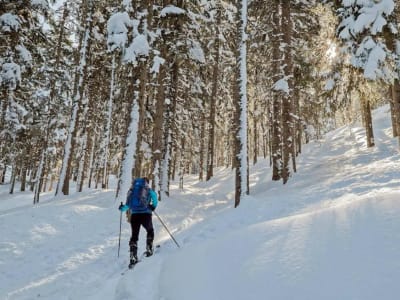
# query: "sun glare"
[[332, 51]]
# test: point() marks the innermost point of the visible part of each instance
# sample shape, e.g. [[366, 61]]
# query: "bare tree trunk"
[[241, 154], [396, 107], [367, 116], [213, 101], [23, 173], [130, 141], [2, 174], [107, 136], [142, 69], [158, 136], [13, 177], [79, 87], [182, 162], [287, 120], [393, 113], [41, 173], [202, 130], [275, 136]]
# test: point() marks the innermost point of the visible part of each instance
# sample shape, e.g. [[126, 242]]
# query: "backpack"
[[139, 197]]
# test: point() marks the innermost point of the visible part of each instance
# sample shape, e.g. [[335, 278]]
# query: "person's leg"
[[148, 225], [135, 226]]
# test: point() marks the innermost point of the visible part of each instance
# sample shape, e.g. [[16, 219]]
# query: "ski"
[[140, 259]]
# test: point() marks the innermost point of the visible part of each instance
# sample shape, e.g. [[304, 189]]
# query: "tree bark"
[[213, 101], [396, 108], [275, 137], [79, 87], [287, 121], [367, 116]]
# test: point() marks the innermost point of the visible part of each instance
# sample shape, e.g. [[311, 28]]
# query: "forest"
[[91, 89]]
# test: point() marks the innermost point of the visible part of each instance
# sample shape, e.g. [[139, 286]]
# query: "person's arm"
[[153, 199], [125, 207]]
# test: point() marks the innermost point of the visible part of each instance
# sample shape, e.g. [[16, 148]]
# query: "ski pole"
[[167, 229], [120, 228]]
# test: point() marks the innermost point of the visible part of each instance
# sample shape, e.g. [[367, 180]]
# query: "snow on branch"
[[370, 56], [171, 10], [24, 53], [42, 4], [196, 52], [281, 85], [11, 75], [364, 20], [117, 28], [373, 17], [157, 62], [9, 22], [138, 47]]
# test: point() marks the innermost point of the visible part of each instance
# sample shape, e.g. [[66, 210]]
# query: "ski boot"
[[133, 255], [149, 249]]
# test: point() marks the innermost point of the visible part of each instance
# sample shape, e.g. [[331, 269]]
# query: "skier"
[[140, 202]]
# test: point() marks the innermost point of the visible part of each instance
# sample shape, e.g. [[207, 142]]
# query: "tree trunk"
[[128, 159], [213, 101], [287, 122], [241, 155], [107, 134], [367, 116], [41, 173], [142, 70], [23, 174], [393, 113], [396, 107], [158, 136], [13, 177], [79, 86], [202, 129], [275, 136], [169, 129]]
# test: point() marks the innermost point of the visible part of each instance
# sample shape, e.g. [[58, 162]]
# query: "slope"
[[332, 232]]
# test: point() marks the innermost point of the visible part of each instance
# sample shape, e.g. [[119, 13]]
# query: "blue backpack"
[[139, 197]]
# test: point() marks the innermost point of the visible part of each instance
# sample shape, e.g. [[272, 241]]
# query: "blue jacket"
[[153, 202]]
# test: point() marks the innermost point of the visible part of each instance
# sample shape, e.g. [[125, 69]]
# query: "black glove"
[[152, 207], [120, 206]]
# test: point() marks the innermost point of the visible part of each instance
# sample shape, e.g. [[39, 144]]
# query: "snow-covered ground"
[[332, 232]]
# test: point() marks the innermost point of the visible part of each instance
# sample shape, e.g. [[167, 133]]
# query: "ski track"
[[339, 180]]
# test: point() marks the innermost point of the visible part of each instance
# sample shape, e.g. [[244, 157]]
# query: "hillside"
[[332, 232]]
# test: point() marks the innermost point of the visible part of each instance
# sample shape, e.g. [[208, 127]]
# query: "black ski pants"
[[138, 220]]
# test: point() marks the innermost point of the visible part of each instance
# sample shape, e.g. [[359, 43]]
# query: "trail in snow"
[[332, 232]]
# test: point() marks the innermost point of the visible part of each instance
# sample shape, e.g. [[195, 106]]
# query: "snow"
[[157, 62], [330, 84], [24, 53], [139, 47], [332, 232], [129, 156], [171, 10], [367, 18], [281, 85], [11, 75], [196, 52], [117, 28], [9, 22], [43, 4]]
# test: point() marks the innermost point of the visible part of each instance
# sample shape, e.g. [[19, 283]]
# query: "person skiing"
[[141, 201]]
